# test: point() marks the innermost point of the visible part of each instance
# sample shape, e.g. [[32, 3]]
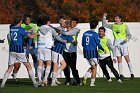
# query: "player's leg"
[[39, 70], [31, 73], [118, 50], [33, 52], [16, 69], [109, 63], [102, 64], [47, 55], [93, 62], [55, 58], [86, 76], [12, 59], [47, 71], [40, 65], [22, 57], [72, 65], [126, 56], [129, 66], [67, 68], [54, 74]]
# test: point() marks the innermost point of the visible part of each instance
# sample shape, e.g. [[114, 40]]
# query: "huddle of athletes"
[[54, 50]]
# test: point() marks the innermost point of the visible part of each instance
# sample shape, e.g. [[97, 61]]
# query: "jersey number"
[[87, 40], [14, 36]]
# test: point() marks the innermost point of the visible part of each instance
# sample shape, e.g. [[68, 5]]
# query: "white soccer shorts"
[[56, 57], [16, 57], [44, 54], [121, 50], [92, 61]]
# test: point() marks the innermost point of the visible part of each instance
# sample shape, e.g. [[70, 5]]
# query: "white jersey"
[[45, 40]]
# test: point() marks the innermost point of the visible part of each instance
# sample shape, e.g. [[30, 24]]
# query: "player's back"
[[59, 46], [16, 35], [90, 40]]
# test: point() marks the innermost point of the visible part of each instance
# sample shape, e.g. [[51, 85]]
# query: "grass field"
[[102, 86]]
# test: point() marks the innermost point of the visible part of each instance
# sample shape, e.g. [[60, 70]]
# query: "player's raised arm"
[[105, 23]]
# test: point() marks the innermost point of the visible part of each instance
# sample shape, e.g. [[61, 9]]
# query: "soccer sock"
[[130, 67], [14, 75], [47, 71], [6, 75], [92, 80], [86, 75], [39, 73], [31, 74], [59, 71], [36, 67], [54, 76], [120, 68]]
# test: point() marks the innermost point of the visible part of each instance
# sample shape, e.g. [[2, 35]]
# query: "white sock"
[[47, 71], [39, 73], [6, 75], [130, 67], [59, 71], [31, 74], [14, 75], [86, 75], [93, 80], [120, 68], [54, 77]]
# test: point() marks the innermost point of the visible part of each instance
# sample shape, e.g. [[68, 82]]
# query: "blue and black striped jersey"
[[59, 46], [16, 36]]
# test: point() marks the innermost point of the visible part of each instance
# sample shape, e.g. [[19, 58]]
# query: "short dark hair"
[[93, 24], [102, 28], [118, 15], [42, 19], [17, 19], [75, 19]]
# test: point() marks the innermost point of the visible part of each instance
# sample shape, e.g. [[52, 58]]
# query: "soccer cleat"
[[35, 85], [132, 76], [40, 84], [53, 84], [121, 77], [92, 84], [110, 80], [119, 80], [67, 83], [57, 82], [84, 81], [2, 86]]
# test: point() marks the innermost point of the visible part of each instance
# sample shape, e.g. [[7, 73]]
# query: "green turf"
[[102, 86]]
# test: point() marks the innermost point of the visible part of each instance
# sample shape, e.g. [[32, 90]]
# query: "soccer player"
[[17, 51], [30, 45], [70, 54], [57, 54], [45, 43], [121, 37], [105, 59], [90, 41]]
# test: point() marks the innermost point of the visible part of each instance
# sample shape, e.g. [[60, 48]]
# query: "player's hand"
[[74, 43], [126, 40], [114, 60], [105, 14], [37, 34]]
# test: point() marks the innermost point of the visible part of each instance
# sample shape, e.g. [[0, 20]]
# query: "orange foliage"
[[83, 9]]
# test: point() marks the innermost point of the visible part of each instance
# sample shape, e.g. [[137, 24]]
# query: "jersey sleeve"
[[97, 40], [24, 32], [69, 38]]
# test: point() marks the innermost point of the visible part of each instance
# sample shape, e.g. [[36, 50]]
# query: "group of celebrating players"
[[54, 49]]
